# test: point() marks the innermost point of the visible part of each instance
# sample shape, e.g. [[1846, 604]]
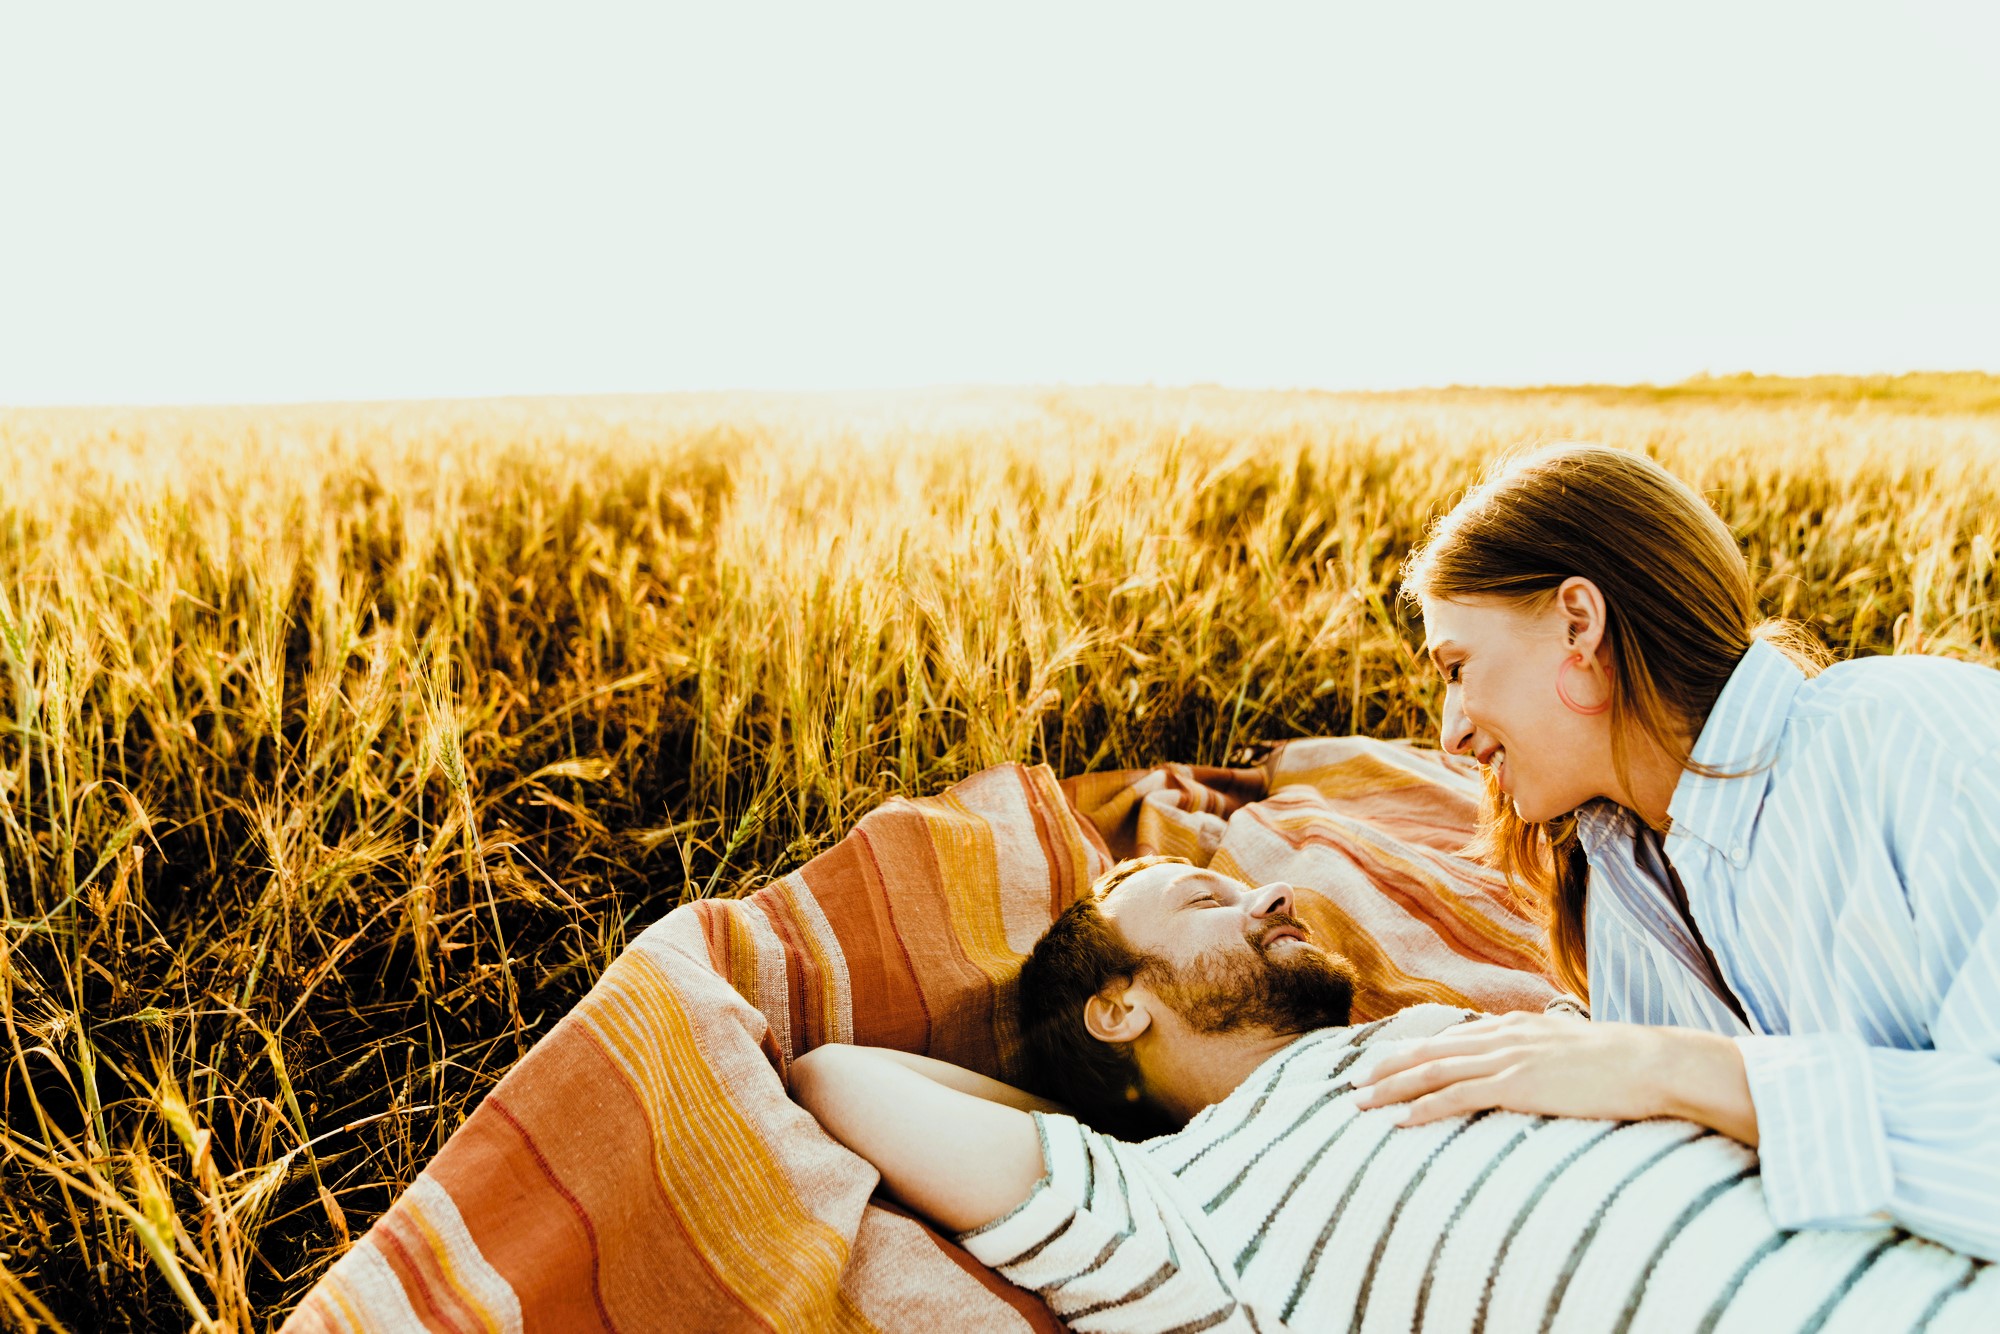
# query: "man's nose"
[[1271, 900]]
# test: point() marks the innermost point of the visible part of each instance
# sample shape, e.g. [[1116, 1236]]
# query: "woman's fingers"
[[1460, 1042], [1480, 1065], [1427, 1078], [1468, 1095]]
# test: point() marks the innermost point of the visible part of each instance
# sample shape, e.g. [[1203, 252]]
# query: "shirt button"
[[1739, 856]]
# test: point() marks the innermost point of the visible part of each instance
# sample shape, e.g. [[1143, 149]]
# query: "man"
[[1281, 1199]]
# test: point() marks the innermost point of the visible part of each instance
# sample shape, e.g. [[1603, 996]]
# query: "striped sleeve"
[[1917, 1132], [1106, 1241]]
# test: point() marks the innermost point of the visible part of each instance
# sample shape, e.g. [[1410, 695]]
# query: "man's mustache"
[[1280, 921]]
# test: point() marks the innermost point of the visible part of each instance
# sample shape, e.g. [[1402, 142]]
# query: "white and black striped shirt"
[[1282, 1207], [1850, 893]]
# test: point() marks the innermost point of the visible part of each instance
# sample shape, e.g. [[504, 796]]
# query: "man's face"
[[1224, 956]]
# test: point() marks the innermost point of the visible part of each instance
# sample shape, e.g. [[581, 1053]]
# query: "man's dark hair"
[[1081, 954], [1084, 952]]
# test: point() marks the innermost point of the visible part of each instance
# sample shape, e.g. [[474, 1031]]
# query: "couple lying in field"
[[1777, 886], [1259, 1089]]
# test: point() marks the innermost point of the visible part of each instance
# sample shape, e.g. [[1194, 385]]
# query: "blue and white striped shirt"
[[1850, 892]]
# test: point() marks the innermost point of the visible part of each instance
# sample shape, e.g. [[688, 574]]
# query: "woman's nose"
[[1271, 899], [1455, 733]]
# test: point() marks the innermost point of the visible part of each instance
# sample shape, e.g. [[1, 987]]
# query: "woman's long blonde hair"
[[1680, 612]]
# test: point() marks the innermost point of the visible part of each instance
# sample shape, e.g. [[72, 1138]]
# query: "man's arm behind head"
[[956, 1157]]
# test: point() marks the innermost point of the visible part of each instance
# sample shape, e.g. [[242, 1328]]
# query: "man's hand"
[[1554, 1065], [954, 1157]]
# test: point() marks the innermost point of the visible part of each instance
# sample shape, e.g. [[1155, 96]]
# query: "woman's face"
[[1500, 664]]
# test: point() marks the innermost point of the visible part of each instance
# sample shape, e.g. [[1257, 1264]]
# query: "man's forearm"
[[967, 1081], [954, 1157]]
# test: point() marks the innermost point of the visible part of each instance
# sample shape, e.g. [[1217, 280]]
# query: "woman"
[[1778, 886]]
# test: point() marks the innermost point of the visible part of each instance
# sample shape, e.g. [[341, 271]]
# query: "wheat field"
[[341, 747]]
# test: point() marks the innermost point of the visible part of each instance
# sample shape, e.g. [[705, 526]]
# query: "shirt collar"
[[1741, 733], [1601, 821]]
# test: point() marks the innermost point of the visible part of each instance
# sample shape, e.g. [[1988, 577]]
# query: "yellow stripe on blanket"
[[709, 1161], [966, 858]]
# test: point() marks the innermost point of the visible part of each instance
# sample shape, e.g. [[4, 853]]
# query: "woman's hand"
[[1554, 1065]]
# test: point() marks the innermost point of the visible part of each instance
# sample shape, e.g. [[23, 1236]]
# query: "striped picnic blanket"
[[642, 1167]]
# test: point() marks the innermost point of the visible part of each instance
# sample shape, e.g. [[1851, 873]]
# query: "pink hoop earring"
[[1563, 693]]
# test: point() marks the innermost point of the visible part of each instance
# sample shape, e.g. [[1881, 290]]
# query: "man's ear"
[[1580, 604], [1114, 1014]]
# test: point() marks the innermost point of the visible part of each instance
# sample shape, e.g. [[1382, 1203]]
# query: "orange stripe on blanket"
[[714, 1170], [1034, 1314], [955, 993], [326, 1309], [521, 1216], [427, 1283], [966, 879], [805, 1017], [1168, 832], [825, 993], [1421, 795], [1416, 887], [889, 1008], [543, 1175], [1381, 987], [1076, 851], [1357, 777], [1503, 940], [426, 1223]]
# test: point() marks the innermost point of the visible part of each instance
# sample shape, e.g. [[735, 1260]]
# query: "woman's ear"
[[1113, 1015], [1581, 607]]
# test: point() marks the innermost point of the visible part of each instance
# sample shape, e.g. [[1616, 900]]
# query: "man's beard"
[[1294, 989]]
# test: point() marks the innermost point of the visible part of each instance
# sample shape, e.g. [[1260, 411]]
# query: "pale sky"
[[263, 202]]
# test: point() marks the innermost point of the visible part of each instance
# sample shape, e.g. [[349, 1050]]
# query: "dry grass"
[[340, 748], [1915, 391]]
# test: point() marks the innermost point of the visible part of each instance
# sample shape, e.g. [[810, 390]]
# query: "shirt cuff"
[[1023, 1231], [1824, 1152]]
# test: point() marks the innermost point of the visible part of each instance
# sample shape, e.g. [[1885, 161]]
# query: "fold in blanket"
[[642, 1167]]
